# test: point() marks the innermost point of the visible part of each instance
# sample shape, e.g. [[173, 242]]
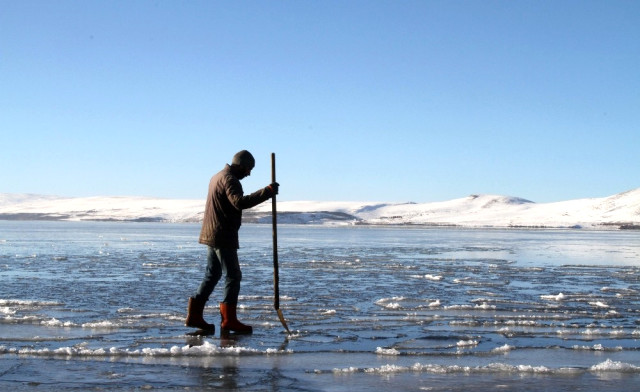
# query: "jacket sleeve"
[[241, 202]]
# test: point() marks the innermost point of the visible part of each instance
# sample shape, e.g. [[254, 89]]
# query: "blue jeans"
[[219, 261]]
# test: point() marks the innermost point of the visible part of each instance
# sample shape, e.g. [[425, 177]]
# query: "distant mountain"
[[617, 211]]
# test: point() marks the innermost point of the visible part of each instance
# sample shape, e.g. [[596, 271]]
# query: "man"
[[222, 220]]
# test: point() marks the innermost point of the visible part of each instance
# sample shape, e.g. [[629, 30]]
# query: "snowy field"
[[621, 210]]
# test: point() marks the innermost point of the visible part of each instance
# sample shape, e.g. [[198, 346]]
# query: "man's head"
[[244, 161]]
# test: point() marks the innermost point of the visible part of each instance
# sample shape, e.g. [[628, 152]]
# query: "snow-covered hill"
[[617, 211]]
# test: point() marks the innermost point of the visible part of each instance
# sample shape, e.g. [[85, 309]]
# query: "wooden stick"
[[276, 275]]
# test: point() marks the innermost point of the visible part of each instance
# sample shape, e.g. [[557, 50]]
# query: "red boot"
[[194, 316], [230, 321]]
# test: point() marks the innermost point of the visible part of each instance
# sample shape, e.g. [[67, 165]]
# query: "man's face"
[[244, 172]]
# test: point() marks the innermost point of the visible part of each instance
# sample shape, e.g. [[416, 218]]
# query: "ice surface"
[[370, 308]]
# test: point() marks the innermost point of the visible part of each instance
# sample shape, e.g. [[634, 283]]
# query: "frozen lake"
[[88, 304]]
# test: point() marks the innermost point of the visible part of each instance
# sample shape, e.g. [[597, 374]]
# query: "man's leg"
[[233, 276], [231, 269], [196, 305], [212, 275]]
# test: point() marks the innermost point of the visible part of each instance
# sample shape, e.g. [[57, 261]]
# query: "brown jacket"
[[223, 209]]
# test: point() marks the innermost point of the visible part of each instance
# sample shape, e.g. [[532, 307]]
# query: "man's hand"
[[274, 187]]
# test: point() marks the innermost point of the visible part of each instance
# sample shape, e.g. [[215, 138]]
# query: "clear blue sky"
[[361, 100]]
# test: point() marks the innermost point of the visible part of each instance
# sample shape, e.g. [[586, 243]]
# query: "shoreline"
[[45, 217]]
